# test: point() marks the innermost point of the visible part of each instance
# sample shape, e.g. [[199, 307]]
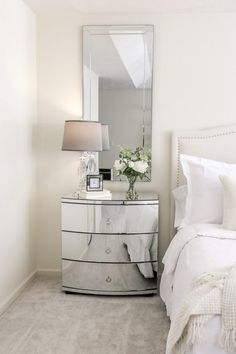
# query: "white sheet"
[[142, 247], [139, 247], [196, 249]]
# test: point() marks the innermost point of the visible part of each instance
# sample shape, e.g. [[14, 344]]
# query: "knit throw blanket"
[[211, 294]]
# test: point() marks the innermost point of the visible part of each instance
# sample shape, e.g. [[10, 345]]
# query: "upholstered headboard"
[[215, 143]]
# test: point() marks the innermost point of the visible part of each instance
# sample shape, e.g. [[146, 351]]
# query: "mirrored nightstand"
[[110, 246]]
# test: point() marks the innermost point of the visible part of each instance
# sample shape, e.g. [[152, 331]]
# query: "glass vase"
[[131, 194]]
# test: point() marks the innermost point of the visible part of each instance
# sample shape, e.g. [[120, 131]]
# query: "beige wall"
[[194, 87], [17, 121]]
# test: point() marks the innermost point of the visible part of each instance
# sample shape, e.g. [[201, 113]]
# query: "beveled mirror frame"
[[148, 32]]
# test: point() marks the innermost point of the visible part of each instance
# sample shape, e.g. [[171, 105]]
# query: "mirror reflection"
[[117, 73]]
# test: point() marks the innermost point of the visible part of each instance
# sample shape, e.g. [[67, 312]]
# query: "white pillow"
[[229, 191], [180, 195], [204, 202]]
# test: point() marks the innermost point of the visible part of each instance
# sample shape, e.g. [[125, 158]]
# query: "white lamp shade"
[[105, 137], [82, 135]]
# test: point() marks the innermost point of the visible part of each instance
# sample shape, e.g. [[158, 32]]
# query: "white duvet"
[[196, 249]]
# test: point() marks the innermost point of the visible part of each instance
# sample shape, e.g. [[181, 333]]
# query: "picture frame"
[[94, 183]]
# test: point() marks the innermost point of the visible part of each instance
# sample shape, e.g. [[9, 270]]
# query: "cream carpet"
[[46, 320]]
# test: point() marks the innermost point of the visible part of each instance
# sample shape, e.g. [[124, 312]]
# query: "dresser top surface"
[[116, 198]]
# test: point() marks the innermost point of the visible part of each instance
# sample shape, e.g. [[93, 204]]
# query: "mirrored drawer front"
[[109, 248], [109, 218], [109, 277]]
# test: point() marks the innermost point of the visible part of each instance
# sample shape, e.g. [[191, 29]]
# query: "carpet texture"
[[44, 320]]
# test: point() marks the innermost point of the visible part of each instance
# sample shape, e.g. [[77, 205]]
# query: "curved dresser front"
[[110, 246]]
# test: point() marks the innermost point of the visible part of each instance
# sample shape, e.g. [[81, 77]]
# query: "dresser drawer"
[[109, 248], [95, 218], [95, 277]]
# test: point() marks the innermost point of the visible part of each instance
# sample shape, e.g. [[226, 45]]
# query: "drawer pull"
[[108, 279], [108, 250], [108, 221]]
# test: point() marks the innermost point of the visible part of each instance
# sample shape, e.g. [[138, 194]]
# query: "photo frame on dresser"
[[94, 183]]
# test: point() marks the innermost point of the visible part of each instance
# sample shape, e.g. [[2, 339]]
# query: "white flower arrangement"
[[133, 164]]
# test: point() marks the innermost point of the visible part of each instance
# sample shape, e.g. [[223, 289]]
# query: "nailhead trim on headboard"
[[180, 138]]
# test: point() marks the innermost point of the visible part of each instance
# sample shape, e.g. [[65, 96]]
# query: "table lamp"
[[87, 137]]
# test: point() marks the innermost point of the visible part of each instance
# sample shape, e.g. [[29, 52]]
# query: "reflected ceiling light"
[[134, 55]]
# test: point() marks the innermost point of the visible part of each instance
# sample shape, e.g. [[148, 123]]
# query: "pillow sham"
[[229, 192], [204, 203], [180, 195]]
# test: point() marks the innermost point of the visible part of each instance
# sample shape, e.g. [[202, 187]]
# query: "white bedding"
[[141, 246], [196, 249]]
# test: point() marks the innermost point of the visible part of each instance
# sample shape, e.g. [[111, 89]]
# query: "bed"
[[199, 247]]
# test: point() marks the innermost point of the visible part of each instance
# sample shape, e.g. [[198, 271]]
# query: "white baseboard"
[[49, 272], [12, 297]]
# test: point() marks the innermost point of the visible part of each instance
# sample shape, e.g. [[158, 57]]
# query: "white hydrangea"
[[119, 166], [140, 166], [131, 164]]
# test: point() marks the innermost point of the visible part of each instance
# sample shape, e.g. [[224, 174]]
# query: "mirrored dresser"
[[110, 246]]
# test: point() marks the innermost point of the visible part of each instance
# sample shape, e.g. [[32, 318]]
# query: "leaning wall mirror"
[[117, 75]]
